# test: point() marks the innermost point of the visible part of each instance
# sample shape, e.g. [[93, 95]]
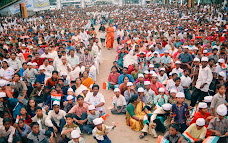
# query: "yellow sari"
[[136, 125], [87, 82]]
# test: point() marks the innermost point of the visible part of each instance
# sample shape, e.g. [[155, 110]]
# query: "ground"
[[122, 133]]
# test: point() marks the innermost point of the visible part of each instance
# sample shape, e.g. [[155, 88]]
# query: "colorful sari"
[[87, 82], [110, 37], [138, 112]]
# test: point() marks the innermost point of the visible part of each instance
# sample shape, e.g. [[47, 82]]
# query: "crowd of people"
[[169, 74]]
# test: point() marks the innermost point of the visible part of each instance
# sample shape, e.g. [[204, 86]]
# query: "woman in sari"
[[110, 36], [135, 113], [78, 87], [86, 80], [120, 57]]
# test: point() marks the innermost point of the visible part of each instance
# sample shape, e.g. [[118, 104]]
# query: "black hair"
[[220, 85], [33, 124], [69, 115], [55, 72], [214, 49], [210, 60], [175, 126], [29, 107], [29, 56], [79, 96], [13, 53], [17, 74], [174, 74], [177, 78], [6, 120], [61, 79], [95, 85], [37, 108], [186, 70], [133, 98], [125, 68], [25, 63], [114, 67], [21, 120]]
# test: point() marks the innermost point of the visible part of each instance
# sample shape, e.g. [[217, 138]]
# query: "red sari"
[[110, 37]]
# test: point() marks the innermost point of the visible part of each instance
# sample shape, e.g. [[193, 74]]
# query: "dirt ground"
[[122, 133]]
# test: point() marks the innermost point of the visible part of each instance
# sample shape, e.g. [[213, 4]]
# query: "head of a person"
[[80, 99], [69, 118], [21, 123], [177, 81], [64, 60], [55, 74], [186, 72], [200, 122], [180, 97], [5, 64], [31, 103], [114, 69], [56, 106], [54, 91], [85, 74], [86, 51], [7, 123], [215, 51], [154, 78], [125, 70], [174, 129], [134, 99], [37, 55], [13, 56], [17, 76], [34, 127], [223, 50], [23, 111], [221, 89], [95, 89], [78, 81], [126, 80], [38, 111], [185, 50]]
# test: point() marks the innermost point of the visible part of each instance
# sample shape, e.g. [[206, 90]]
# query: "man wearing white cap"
[[166, 60], [149, 95], [219, 125], [55, 119], [203, 82], [30, 74], [197, 130], [219, 67], [129, 92], [141, 81], [76, 137], [70, 103], [177, 69], [119, 103]]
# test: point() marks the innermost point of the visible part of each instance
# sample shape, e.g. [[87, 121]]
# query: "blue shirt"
[[166, 60], [40, 78], [22, 72], [160, 51], [25, 130], [185, 58], [121, 78], [69, 48]]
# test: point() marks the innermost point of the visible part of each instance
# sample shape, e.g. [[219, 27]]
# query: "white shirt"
[[56, 117], [15, 64], [205, 76], [48, 70], [186, 81], [170, 84], [178, 71], [63, 68], [94, 100], [119, 101], [46, 55]]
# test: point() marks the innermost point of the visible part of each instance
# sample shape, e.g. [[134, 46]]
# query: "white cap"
[[70, 89], [140, 75], [173, 90], [196, 60], [194, 48], [151, 66], [189, 48], [29, 64], [91, 107], [116, 90], [221, 61], [177, 62], [23, 45], [202, 105], [69, 97], [205, 59], [162, 69], [97, 121], [2, 94], [166, 51], [140, 89], [75, 134], [154, 74], [85, 88], [34, 64], [41, 68], [200, 122], [221, 110], [56, 103], [146, 82], [222, 74], [185, 47], [64, 73], [180, 95], [167, 106], [161, 89], [205, 51], [3, 83], [129, 84], [146, 72], [208, 99]]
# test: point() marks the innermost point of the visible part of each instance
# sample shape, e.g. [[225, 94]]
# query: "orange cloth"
[[110, 37], [87, 82]]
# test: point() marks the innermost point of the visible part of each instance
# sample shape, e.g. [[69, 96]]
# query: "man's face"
[[124, 71], [35, 129], [86, 51], [21, 124], [64, 60], [13, 56], [69, 121], [56, 108], [80, 100], [39, 112], [37, 56], [95, 90]]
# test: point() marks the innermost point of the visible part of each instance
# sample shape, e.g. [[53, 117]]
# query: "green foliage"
[[5, 2]]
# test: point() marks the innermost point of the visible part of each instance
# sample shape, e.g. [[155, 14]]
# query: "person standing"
[[110, 36]]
